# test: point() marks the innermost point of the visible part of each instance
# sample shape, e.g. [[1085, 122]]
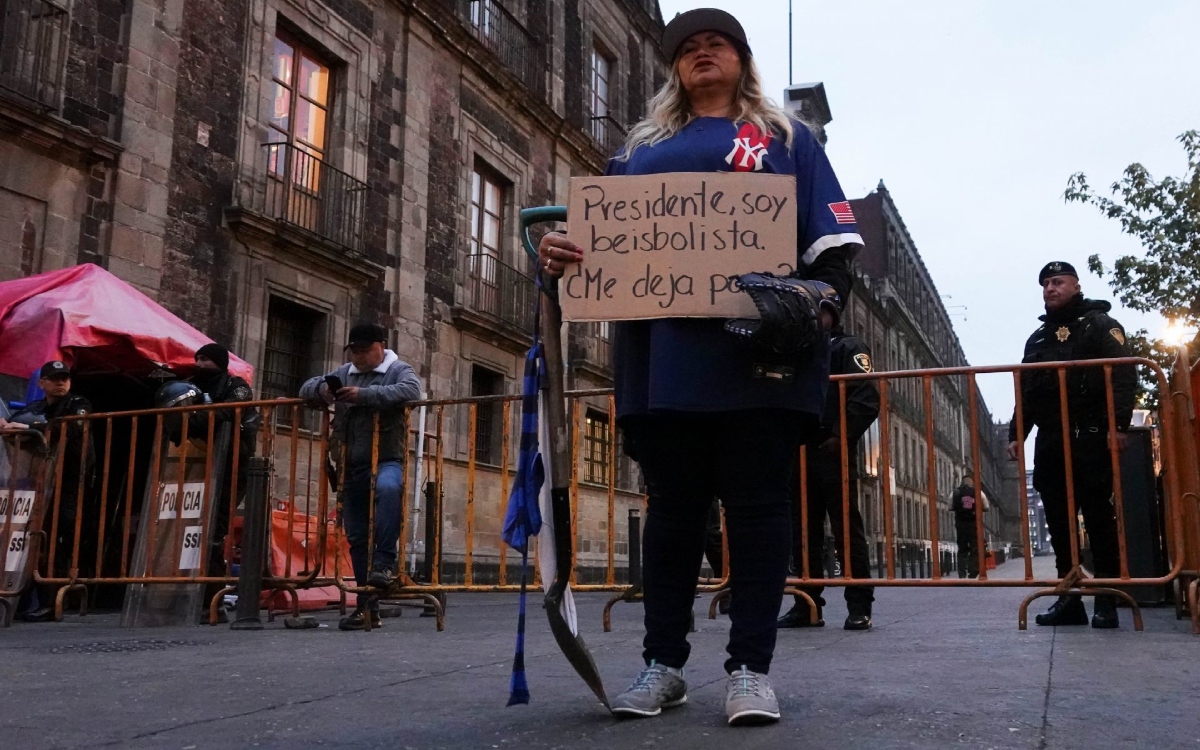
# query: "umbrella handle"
[[559, 451], [539, 215]]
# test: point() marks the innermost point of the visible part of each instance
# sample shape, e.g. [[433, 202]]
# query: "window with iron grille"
[[291, 351], [596, 439], [488, 418], [33, 48]]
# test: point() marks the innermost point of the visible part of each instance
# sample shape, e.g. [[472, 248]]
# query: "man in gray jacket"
[[374, 384]]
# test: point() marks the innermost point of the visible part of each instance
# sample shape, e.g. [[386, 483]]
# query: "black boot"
[[798, 617], [357, 620], [1068, 610], [1106, 613], [859, 617]]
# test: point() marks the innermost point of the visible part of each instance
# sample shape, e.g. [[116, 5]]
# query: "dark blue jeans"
[[746, 459], [356, 517]]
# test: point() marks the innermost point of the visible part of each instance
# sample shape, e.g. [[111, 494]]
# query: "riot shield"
[[21, 469], [181, 495]]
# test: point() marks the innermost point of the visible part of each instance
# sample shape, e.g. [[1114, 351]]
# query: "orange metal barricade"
[[1076, 582], [141, 527], [1182, 395], [459, 462], [467, 461]]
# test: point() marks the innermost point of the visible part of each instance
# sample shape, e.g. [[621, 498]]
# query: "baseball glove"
[[790, 310]]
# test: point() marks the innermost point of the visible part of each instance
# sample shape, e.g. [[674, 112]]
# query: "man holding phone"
[[371, 389]]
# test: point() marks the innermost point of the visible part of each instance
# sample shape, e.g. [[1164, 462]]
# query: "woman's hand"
[[555, 252]]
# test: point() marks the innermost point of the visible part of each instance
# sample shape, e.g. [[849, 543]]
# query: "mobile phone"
[[334, 383]]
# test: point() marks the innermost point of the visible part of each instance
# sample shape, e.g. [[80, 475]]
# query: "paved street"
[[941, 668]]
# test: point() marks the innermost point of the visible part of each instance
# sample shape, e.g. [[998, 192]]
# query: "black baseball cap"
[[364, 334], [683, 25], [1056, 268], [55, 369]]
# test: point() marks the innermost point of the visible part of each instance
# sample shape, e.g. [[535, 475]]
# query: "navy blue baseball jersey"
[[689, 364]]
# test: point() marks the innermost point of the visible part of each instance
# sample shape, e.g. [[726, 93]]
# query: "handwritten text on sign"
[[665, 245]]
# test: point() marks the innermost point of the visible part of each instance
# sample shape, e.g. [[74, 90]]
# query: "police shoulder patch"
[[1117, 334], [241, 393], [863, 361]]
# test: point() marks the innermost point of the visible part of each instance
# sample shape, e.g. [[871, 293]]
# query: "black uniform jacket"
[[849, 355], [224, 388], [1081, 330], [69, 405]]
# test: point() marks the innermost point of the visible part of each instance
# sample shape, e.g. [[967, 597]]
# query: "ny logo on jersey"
[[749, 148]]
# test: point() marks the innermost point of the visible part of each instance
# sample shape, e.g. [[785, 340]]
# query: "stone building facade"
[[272, 171]]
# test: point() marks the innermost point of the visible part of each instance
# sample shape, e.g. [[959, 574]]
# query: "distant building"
[[1039, 534], [897, 310]]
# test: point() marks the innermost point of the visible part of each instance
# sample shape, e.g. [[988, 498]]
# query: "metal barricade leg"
[[1193, 598]]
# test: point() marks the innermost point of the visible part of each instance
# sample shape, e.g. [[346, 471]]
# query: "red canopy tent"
[[96, 323]]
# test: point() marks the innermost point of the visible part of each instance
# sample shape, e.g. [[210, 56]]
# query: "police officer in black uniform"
[[76, 469], [1076, 328], [213, 378], [848, 355]]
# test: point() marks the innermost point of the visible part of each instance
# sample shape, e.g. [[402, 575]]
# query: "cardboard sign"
[[665, 245]]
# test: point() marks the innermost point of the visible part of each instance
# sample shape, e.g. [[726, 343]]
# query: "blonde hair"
[[670, 111]]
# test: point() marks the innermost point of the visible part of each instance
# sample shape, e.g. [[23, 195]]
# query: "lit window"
[[299, 111], [595, 448]]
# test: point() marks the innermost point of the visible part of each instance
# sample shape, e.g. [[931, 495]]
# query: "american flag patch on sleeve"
[[842, 213]]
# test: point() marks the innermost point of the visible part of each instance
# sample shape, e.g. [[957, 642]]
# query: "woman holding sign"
[[717, 408]]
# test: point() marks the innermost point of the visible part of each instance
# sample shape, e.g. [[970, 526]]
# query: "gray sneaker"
[[750, 699], [652, 691]]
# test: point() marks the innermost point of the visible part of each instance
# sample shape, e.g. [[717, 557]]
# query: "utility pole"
[[790, 43]]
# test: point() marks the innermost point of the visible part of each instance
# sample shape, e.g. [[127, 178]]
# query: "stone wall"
[[165, 110]]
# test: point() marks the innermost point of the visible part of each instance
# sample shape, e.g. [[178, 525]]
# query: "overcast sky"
[[975, 114]]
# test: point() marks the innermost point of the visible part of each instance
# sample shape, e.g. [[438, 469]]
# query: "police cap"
[[1056, 268]]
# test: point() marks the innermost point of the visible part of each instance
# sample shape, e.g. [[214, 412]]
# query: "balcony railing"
[[499, 291], [299, 189], [33, 47], [607, 133], [504, 35]]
